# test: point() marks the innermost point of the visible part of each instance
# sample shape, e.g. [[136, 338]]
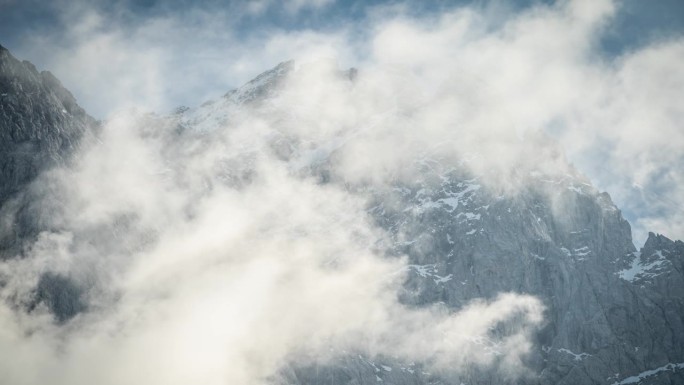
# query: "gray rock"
[[61, 296], [40, 127]]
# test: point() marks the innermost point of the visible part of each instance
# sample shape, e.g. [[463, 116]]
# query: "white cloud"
[[631, 127], [193, 280], [190, 279]]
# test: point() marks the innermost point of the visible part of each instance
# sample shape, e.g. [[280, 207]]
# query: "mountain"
[[41, 126], [605, 322], [614, 315]]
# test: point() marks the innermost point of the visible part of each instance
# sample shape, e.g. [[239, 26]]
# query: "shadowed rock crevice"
[[62, 297]]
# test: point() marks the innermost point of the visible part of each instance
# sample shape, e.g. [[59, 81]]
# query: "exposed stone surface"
[[559, 240], [40, 126], [61, 296]]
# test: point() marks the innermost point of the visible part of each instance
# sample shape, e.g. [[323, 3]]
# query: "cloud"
[[191, 276], [113, 60], [629, 125], [294, 6], [211, 256]]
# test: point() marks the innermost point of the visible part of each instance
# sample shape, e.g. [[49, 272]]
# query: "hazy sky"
[[201, 45], [158, 55]]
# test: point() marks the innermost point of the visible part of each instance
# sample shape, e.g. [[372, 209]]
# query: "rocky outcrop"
[[40, 126], [558, 239], [613, 315]]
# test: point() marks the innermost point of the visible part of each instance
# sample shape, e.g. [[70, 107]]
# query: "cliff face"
[[40, 127], [611, 312], [614, 315]]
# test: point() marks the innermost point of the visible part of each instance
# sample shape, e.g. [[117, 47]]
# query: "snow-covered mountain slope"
[[613, 315]]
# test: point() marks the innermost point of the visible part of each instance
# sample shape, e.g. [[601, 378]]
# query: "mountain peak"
[[658, 242], [262, 85], [41, 126]]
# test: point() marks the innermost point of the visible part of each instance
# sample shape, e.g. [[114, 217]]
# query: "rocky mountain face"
[[605, 321], [40, 127], [614, 315]]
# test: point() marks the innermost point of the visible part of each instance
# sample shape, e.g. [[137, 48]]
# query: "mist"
[[202, 256], [505, 70], [221, 244]]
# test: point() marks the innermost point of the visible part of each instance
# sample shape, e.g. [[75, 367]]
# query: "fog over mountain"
[[419, 201]]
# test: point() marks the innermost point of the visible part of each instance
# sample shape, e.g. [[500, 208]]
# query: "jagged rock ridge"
[[41, 126]]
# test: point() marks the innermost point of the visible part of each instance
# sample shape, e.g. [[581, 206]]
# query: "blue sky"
[[41, 31], [637, 22], [157, 55]]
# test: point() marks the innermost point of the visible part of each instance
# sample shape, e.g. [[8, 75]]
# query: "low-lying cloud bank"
[[190, 269]]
